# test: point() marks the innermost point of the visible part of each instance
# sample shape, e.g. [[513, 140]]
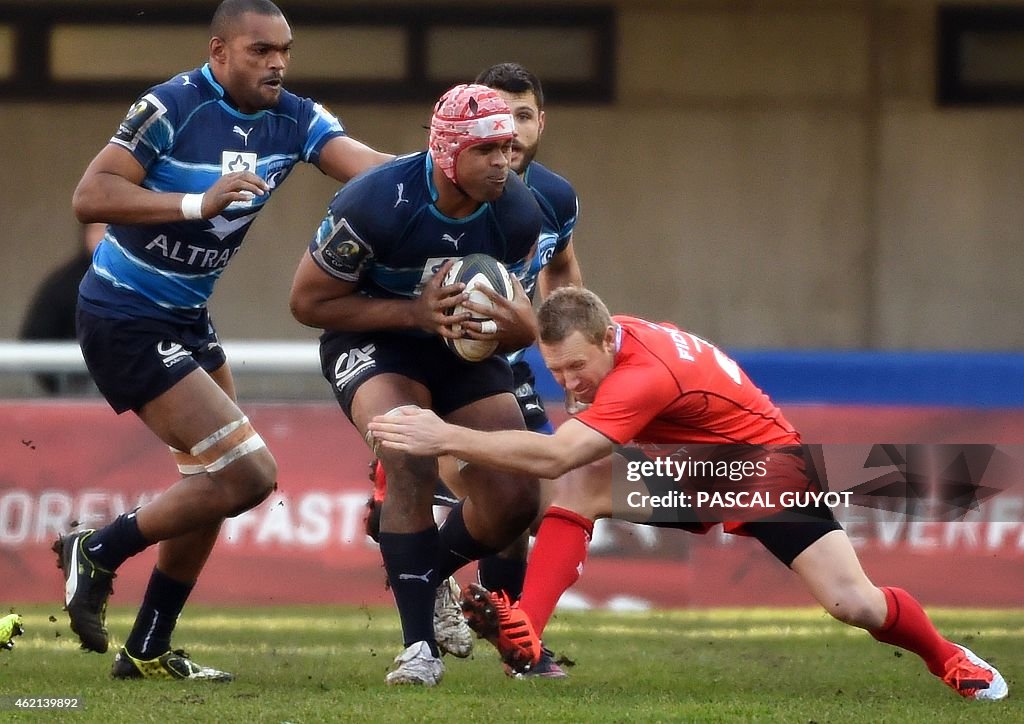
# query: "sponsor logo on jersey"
[[431, 267], [243, 134], [401, 199], [453, 240], [186, 81]]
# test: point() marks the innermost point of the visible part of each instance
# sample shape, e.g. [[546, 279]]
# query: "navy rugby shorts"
[[134, 361], [348, 359]]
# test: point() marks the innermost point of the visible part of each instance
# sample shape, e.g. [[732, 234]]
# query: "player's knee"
[[855, 608], [237, 459], [248, 481], [518, 500], [586, 490]]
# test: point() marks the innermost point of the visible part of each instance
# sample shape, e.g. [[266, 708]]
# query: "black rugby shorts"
[[134, 361], [348, 359]]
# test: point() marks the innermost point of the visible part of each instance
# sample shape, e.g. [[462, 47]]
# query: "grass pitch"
[[300, 664]]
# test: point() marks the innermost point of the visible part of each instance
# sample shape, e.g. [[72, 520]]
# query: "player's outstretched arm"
[[343, 158], [110, 191], [421, 432]]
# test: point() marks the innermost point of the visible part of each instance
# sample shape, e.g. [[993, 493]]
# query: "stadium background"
[[775, 176]]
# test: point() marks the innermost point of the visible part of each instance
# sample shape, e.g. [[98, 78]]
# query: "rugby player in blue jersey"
[[372, 281], [190, 167], [554, 265]]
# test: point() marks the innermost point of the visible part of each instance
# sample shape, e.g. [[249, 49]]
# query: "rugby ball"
[[477, 271]]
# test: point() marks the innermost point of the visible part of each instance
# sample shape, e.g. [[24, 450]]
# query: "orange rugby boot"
[[504, 625], [974, 678]]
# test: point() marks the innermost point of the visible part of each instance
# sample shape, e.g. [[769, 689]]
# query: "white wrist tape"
[[192, 206]]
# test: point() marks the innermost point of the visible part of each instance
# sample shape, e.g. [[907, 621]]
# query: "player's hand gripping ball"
[[477, 271]]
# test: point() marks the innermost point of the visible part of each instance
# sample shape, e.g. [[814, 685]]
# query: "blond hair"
[[573, 309]]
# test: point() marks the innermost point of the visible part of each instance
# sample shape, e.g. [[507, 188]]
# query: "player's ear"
[[218, 49], [609, 338]]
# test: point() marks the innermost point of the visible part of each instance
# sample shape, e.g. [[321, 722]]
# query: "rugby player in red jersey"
[[655, 383]]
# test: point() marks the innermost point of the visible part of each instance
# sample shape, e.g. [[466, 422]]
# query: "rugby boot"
[[974, 678], [169, 665], [10, 626], [417, 666], [451, 631], [546, 668], [87, 588], [504, 625]]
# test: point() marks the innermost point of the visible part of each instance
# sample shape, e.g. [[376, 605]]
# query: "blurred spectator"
[[51, 315]]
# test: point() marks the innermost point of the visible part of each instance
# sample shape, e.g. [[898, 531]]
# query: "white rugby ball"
[[477, 271]]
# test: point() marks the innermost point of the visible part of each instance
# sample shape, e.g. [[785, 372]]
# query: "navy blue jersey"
[[384, 233], [186, 134], [559, 206], [557, 200]]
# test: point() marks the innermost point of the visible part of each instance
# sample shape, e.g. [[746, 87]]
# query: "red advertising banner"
[[76, 462]]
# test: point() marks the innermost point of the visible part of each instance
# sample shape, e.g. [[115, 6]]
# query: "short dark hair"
[[573, 309], [229, 11], [512, 78]]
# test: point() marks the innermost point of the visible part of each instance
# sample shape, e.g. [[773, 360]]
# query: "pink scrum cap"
[[465, 116]]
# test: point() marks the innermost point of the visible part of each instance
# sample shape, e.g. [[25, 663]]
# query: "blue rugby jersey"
[[384, 233], [559, 207], [186, 134]]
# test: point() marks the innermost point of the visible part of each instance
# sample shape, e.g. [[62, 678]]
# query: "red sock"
[[908, 626], [555, 563]]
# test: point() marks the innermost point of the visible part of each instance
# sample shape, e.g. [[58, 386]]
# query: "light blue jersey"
[[186, 134]]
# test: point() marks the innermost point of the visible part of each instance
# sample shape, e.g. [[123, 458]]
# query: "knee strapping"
[[187, 464], [228, 444]]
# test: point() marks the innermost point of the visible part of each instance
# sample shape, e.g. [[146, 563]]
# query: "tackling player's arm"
[[343, 158], [326, 302], [421, 432], [110, 191], [562, 271]]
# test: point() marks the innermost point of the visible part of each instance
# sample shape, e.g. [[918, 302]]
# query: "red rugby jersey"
[[670, 386]]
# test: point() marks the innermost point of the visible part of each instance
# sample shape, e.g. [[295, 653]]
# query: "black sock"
[[411, 563], [151, 634], [498, 573], [457, 546], [111, 546]]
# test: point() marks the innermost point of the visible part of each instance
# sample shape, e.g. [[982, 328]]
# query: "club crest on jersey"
[[233, 162]]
